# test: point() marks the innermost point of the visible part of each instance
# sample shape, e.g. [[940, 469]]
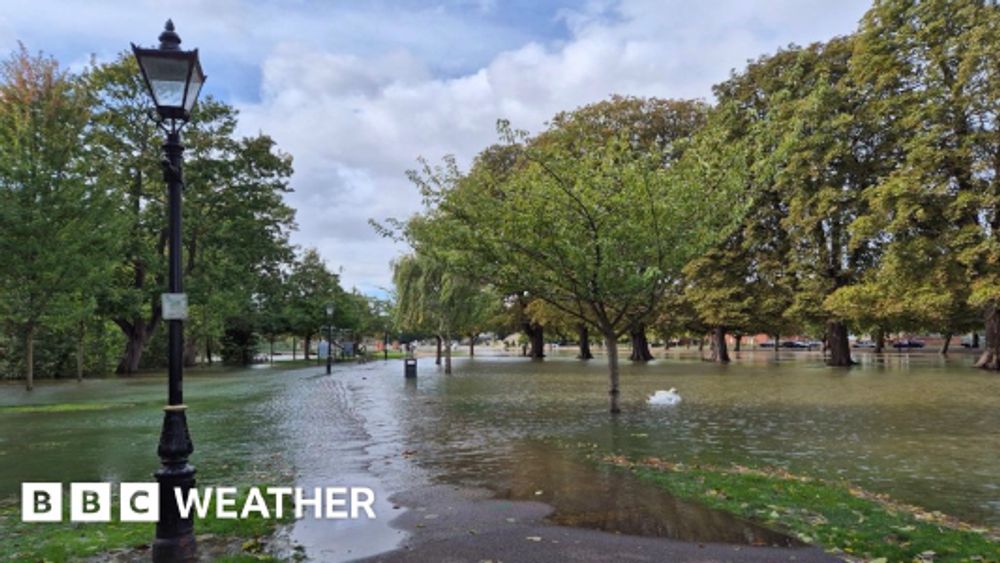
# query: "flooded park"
[[603, 281], [914, 426]]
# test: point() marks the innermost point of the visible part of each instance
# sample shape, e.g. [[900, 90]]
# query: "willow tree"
[[433, 295], [596, 225]]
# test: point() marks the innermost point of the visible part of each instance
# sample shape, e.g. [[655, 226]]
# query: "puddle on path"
[[605, 498]]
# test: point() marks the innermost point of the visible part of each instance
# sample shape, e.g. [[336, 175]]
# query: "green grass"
[[69, 541], [61, 407], [842, 519]]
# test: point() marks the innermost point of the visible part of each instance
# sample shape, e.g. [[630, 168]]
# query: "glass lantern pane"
[[167, 77], [197, 79]]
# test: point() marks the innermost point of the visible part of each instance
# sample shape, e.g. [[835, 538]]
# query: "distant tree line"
[[846, 186], [83, 230]]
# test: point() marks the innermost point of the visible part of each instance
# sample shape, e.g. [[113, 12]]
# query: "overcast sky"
[[357, 90]]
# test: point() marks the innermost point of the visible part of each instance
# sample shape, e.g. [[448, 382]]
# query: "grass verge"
[[61, 407], [845, 520], [74, 541]]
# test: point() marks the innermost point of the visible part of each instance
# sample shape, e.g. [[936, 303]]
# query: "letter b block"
[[90, 502], [41, 502]]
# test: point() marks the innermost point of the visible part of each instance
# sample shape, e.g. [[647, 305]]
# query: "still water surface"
[[920, 428]]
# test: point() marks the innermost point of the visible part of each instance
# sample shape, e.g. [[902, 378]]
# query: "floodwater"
[[916, 426]]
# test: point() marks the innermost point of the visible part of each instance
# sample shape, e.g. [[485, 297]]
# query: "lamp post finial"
[[169, 40]]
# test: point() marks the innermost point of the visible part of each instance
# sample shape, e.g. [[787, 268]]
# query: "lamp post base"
[[175, 549], [174, 535]]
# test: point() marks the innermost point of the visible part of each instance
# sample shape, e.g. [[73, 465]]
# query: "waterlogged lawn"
[[69, 541], [107, 430], [61, 407], [920, 429], [845, 520]]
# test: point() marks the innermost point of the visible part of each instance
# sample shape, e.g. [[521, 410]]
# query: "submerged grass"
[[61, 407], [845, 520]]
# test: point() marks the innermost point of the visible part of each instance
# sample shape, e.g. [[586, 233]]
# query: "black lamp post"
[[174, 79], [329, 338]]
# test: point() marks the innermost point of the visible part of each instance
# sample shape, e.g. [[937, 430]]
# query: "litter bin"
[[410, 367]]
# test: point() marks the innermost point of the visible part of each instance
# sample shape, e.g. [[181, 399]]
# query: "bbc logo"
[[89, 502]]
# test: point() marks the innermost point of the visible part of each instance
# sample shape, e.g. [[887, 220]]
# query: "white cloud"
[[356, 91], [355, 122]]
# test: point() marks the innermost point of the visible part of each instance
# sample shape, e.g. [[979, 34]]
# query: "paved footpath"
[[447, 524]]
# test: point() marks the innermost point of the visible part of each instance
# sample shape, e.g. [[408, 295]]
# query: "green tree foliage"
[[436, 297], [82, 211], [235, 222], [595, 223], [311, 286], [930, 72], [53, 221]]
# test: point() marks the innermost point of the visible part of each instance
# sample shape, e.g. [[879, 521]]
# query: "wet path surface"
[[606, 498], [454, 524], [917, 428]]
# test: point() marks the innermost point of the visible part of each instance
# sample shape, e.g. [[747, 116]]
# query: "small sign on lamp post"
[[175, 306]]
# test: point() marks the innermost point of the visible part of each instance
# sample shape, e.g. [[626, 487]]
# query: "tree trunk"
[[437, 357], [739, 339], [472, 345], [295, 344], [720, 353], [138, 333], [29, 358], [329, 350], [190, 352], [640, 344], [307, 342], [879, 340], [611, 342], [946, 344], [536, 335], [447, 354], [777, 344], [975, 339], [79, 351], [840, 347], [136, 339], [583, 335], [990, 358], [208, 350]]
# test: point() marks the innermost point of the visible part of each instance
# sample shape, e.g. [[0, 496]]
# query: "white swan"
[[662, 397]]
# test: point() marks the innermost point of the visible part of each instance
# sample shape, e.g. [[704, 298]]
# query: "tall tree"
[[933, 77], [431, 294], [235, 220], [311, 287], [824, 154], [593, 224], [52, 220]]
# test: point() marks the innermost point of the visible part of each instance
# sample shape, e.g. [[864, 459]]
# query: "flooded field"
[[915, 426]]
